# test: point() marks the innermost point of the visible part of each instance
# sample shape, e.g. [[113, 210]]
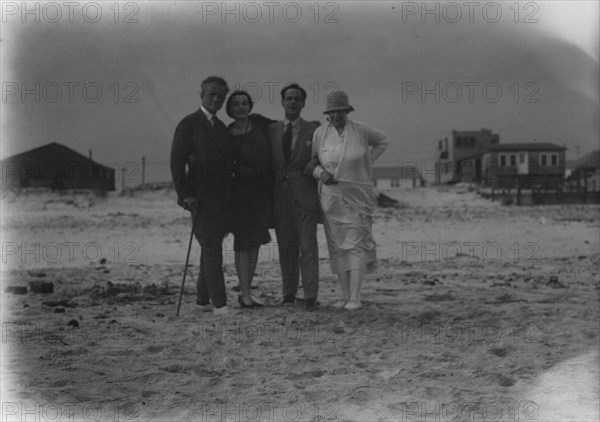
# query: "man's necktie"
[[214, 120], [287, 142]]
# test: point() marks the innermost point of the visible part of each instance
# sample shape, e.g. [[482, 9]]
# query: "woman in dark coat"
[[252, 189]]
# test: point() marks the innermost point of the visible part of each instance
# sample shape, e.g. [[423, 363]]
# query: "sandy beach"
[[477, 312]]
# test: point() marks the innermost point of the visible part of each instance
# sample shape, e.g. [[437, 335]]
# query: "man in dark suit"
[[202, 169], [295, 199]]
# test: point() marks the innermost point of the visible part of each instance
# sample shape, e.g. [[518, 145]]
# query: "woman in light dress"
[[346, 150]]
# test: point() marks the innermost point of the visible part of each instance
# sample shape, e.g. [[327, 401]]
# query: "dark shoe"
[[206, 307], [243, 304], [311, 305], [288, 299]]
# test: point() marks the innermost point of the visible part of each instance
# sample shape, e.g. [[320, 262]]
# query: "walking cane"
[[187, 260]]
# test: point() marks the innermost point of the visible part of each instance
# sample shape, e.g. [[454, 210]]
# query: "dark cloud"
[[370, 53]]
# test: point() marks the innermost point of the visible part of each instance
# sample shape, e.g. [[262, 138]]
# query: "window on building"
[[472, 142], [548, 159], [458, 142], [502, 160], [513, 160], [521, 158]]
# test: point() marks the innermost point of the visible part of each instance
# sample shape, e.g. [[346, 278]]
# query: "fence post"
[[143, 170]]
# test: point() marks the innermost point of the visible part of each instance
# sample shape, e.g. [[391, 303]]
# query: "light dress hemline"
[[347, 220]]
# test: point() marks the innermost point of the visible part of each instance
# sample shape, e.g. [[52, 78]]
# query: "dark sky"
[[527, 70]]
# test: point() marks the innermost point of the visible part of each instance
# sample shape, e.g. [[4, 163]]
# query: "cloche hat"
[[337, 100]]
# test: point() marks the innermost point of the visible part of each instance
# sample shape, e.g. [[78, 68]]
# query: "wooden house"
[[532, 165], [55, 166]]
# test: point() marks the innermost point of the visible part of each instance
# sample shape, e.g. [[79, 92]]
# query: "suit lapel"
[[301, 141], [214, 134], [209, 127]]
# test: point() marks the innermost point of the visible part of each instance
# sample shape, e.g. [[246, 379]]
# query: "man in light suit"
[[295, 199], [202, 163]]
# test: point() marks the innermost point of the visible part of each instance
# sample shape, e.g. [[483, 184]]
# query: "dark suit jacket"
[[291, 175], [202, 163]]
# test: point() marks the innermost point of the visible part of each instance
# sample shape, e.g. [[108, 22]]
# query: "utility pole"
[[143, 170]]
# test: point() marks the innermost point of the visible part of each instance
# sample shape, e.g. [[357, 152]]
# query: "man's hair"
[[293, 86], [234, 94], [217, 80]]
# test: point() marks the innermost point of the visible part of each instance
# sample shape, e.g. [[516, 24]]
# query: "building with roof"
[[460, 159], [527, 165], [55, 166]]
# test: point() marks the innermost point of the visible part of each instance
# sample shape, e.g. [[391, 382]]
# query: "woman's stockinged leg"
[[245, 265], [253, 261], [344, 278], [357, 277], [345, 283]]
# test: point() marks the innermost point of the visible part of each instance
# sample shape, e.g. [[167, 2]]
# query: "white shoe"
[[352, 305], [340, 303], [255, 301], [206, 308], [224, 310]]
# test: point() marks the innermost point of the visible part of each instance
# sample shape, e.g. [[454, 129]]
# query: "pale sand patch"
[[440, 334]]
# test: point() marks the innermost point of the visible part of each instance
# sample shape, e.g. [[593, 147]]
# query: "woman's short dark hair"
[[228, 105], [293, 86]]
